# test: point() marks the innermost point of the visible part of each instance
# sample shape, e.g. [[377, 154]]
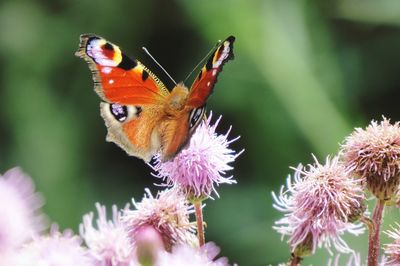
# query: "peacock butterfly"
[[142, 116]]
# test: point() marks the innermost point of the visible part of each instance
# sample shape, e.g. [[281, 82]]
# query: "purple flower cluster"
[[157, 229], [154, 231], [326, 200]]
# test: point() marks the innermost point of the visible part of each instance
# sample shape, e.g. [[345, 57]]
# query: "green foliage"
[[305, 74]]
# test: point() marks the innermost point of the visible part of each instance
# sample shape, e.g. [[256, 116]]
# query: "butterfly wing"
[[133, 128], [117, 78], [133, 96], [205, 81], [177, 132]]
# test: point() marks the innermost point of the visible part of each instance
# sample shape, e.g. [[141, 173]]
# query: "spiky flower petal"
[[168, 213], [203, 164], [109, 243], [19, 209], [318, 207]]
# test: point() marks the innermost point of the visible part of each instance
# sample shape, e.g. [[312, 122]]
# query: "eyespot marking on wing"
[[103, 52], [195, 117], [120, 112]]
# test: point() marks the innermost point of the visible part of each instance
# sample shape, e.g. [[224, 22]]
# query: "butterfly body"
[[142, 116]]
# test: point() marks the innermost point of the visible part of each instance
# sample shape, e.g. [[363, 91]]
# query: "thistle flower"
[[168, 213], [109, 243], [392, 250], [374, 155], [19, 209], [203, 164], [181, 255], [319, 207], [61, 249]]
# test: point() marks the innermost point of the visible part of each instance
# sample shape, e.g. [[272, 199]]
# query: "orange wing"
[[205, 81], [117, 78]]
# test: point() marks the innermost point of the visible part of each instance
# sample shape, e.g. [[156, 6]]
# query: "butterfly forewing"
[[119, 79], [203, 85]]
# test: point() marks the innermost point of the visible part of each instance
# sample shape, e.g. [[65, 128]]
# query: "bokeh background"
[[305, 74]]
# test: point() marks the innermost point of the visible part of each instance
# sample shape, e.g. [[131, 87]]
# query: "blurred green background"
[[305, 74]]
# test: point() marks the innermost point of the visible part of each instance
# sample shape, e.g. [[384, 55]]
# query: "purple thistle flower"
[[182, 254], [374, 155], [319, 206], [392, 250], [19, 209], [375, 150], [61, 249], [109, 243], [202, 164], [168, 213]]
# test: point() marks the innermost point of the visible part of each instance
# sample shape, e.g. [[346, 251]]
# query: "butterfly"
[[142, 116]]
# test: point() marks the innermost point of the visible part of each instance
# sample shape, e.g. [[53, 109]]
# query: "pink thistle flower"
[[168, 213], [319, 206], [109, 243], [55, 249], [392, 250], [202, 164], [19, 209], [374, 155], [181, 255]]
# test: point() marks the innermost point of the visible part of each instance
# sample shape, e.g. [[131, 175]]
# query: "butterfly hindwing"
[[203, 85], [132, 128], [119, 79]]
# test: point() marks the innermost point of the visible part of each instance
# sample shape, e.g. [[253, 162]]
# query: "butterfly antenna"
[[158, 64], [202, 60]]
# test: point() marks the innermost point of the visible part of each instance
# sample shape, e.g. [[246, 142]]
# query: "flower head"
[[168, 213], [181, 255], [19, 216], [319, 207], [375, 150], [202, 165], [392, 250], [62, 249], [374, 154], [109, 243]]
